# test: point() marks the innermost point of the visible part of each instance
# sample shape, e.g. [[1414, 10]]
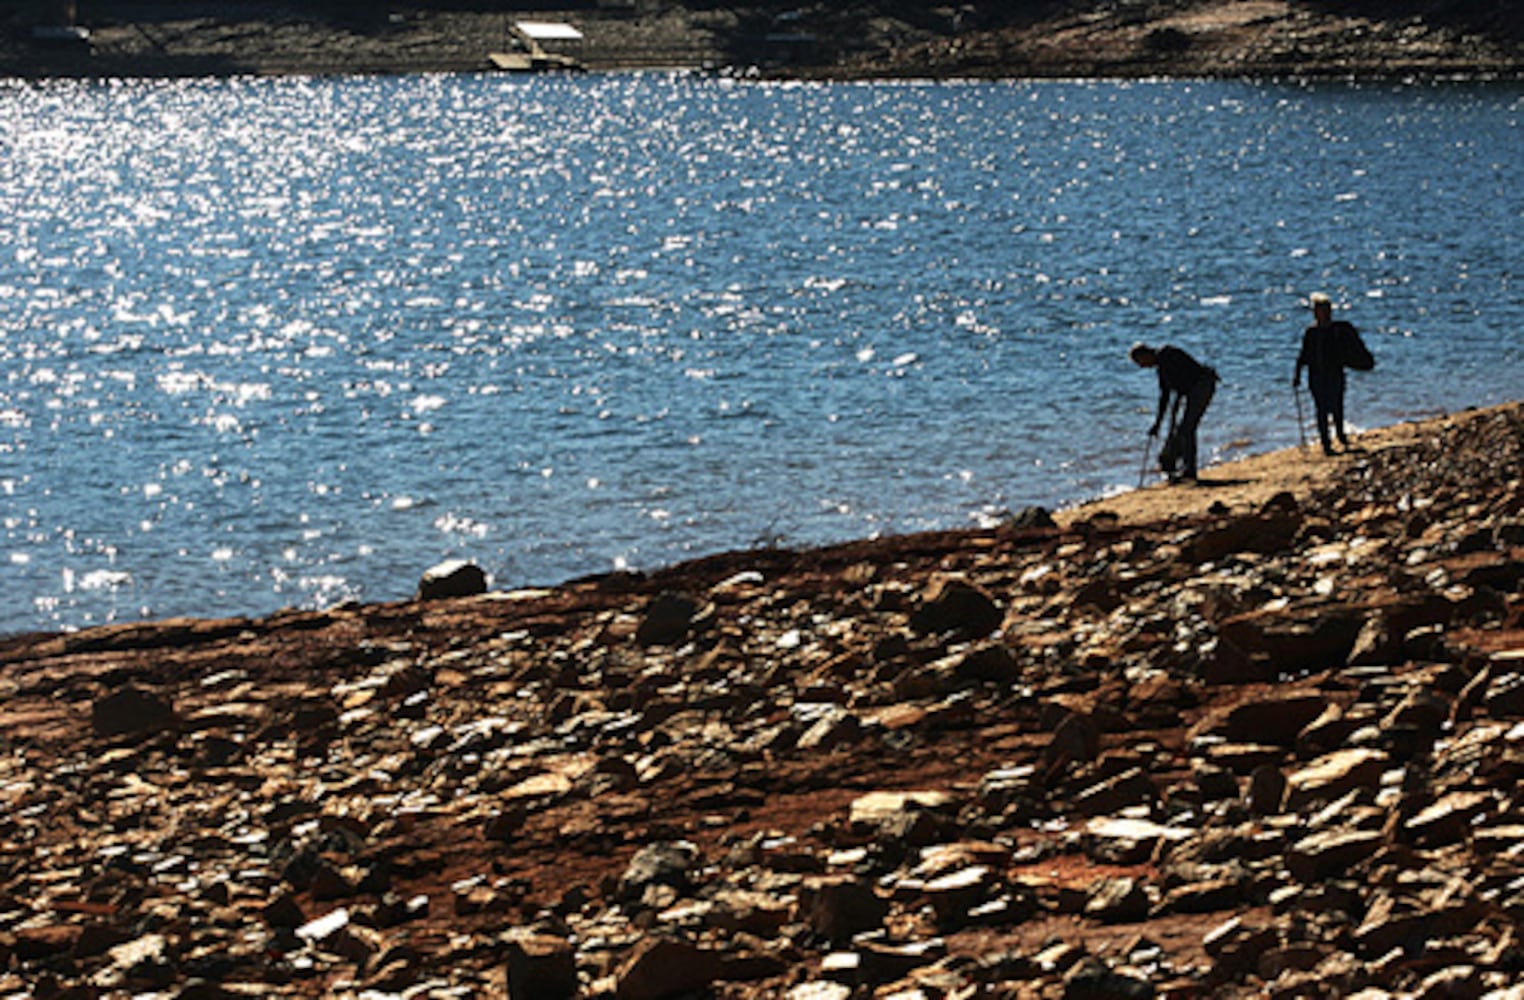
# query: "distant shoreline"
[[1213, 39]]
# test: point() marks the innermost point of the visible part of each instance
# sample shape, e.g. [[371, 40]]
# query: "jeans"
[[1328, 401], [1180, 447]]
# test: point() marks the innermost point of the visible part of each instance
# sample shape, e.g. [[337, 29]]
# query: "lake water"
[[270, 343]]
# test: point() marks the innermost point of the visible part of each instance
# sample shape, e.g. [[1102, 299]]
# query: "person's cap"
[[1319, 299]]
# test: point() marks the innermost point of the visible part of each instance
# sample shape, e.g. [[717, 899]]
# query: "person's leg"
[[1320, 405], [1195, 407], [1168, 452], [1336, 412], [1169, 455]]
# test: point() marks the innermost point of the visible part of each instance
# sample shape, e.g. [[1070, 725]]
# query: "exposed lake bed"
[[1257, 745]]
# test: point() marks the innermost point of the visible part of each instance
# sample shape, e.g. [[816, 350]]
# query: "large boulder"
[[669, 619], [836, 908], [1267, 533], [661, 968], [131, 711], [953, 604], [1273, 717], [666, 863], [452, 578], [540, 967], [1262, 645]]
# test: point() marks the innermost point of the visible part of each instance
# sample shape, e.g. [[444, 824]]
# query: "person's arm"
[[1351, 350], [1163, 405], [1301, 362]]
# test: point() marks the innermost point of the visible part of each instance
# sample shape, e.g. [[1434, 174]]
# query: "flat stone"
[[951, 896], [749, 912], [943, 859], [874, 808], [1390, 923], [1447, 820], [1268, 532], [1275, 719], [1244, 758], [830, 731], [1505, 696], [842, 967], [1459, 982], [539, 786], [283, 912], [1236, 945], [1262, 644], [1132, 787], [1117, 900], [1059, 957], [1326, 733], [45, 941], [1490, 840], [999, 788], [990, 662], [1093, 979], [883, 963], [1424, 711], [1203, 897], [1214, 783], [1334, 774], [1118, 840], [1320, 855], [1301, 956], [321, 928], [819, 991]]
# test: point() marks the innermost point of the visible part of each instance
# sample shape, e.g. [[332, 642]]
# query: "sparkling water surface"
[[270, 343]]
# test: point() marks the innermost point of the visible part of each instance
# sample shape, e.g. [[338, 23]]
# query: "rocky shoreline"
[[1182, 38], [1261, 737]]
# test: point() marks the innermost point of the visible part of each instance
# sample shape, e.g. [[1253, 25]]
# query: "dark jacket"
[[1179, 374], [1328, 350]]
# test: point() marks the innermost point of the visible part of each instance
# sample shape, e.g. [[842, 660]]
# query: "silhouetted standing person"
[[1185, 380], [1329, 347]]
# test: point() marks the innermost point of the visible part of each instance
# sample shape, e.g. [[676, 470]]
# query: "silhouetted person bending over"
[[1328, 348], [1185, 380]]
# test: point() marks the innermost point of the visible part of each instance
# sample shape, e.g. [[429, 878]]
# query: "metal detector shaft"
[[1301, 421]]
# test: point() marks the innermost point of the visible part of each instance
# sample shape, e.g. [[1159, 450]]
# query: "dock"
[[528, 49]]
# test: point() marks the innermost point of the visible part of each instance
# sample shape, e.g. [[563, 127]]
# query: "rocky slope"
[[1215, 38], [898, 38], [1270, 745]]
